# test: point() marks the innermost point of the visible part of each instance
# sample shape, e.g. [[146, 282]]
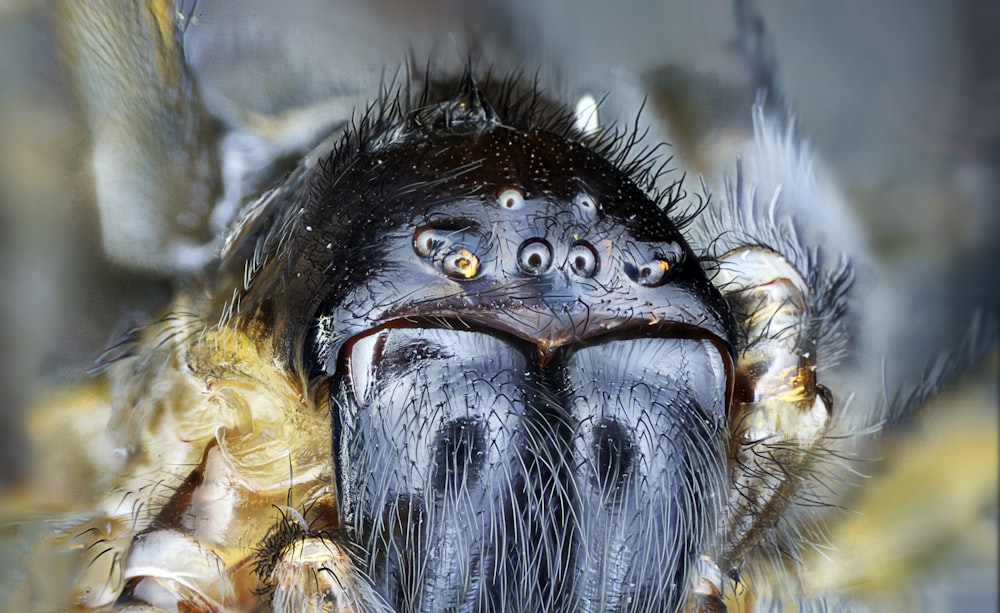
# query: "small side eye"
[[583, 259], [426, 240], [586, 202], [535, 256], [654, 271], [460, 264], [511, 198], [651, 273]]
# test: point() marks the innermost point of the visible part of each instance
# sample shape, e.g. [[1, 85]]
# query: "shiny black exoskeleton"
[[530, 370]]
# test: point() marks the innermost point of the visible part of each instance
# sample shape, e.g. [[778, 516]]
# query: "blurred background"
[[900, 99]]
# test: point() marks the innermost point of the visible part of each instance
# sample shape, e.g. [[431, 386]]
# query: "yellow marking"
[[466, 263], [796, 394], [166, 52], [930, 509]]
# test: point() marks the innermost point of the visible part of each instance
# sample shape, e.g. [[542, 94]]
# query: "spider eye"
[[652, 273], [439, 247], [461, 264], [583, 259], [586, 202], [427, 240], [534, 256], [511, 198]]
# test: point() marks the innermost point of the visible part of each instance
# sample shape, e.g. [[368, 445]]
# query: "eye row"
[[534, 257], [512, 198]]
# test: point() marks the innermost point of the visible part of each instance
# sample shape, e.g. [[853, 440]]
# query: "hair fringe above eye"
[[512, 101]]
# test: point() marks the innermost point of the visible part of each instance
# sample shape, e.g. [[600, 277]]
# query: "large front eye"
[[535, 256], [583, 259]]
